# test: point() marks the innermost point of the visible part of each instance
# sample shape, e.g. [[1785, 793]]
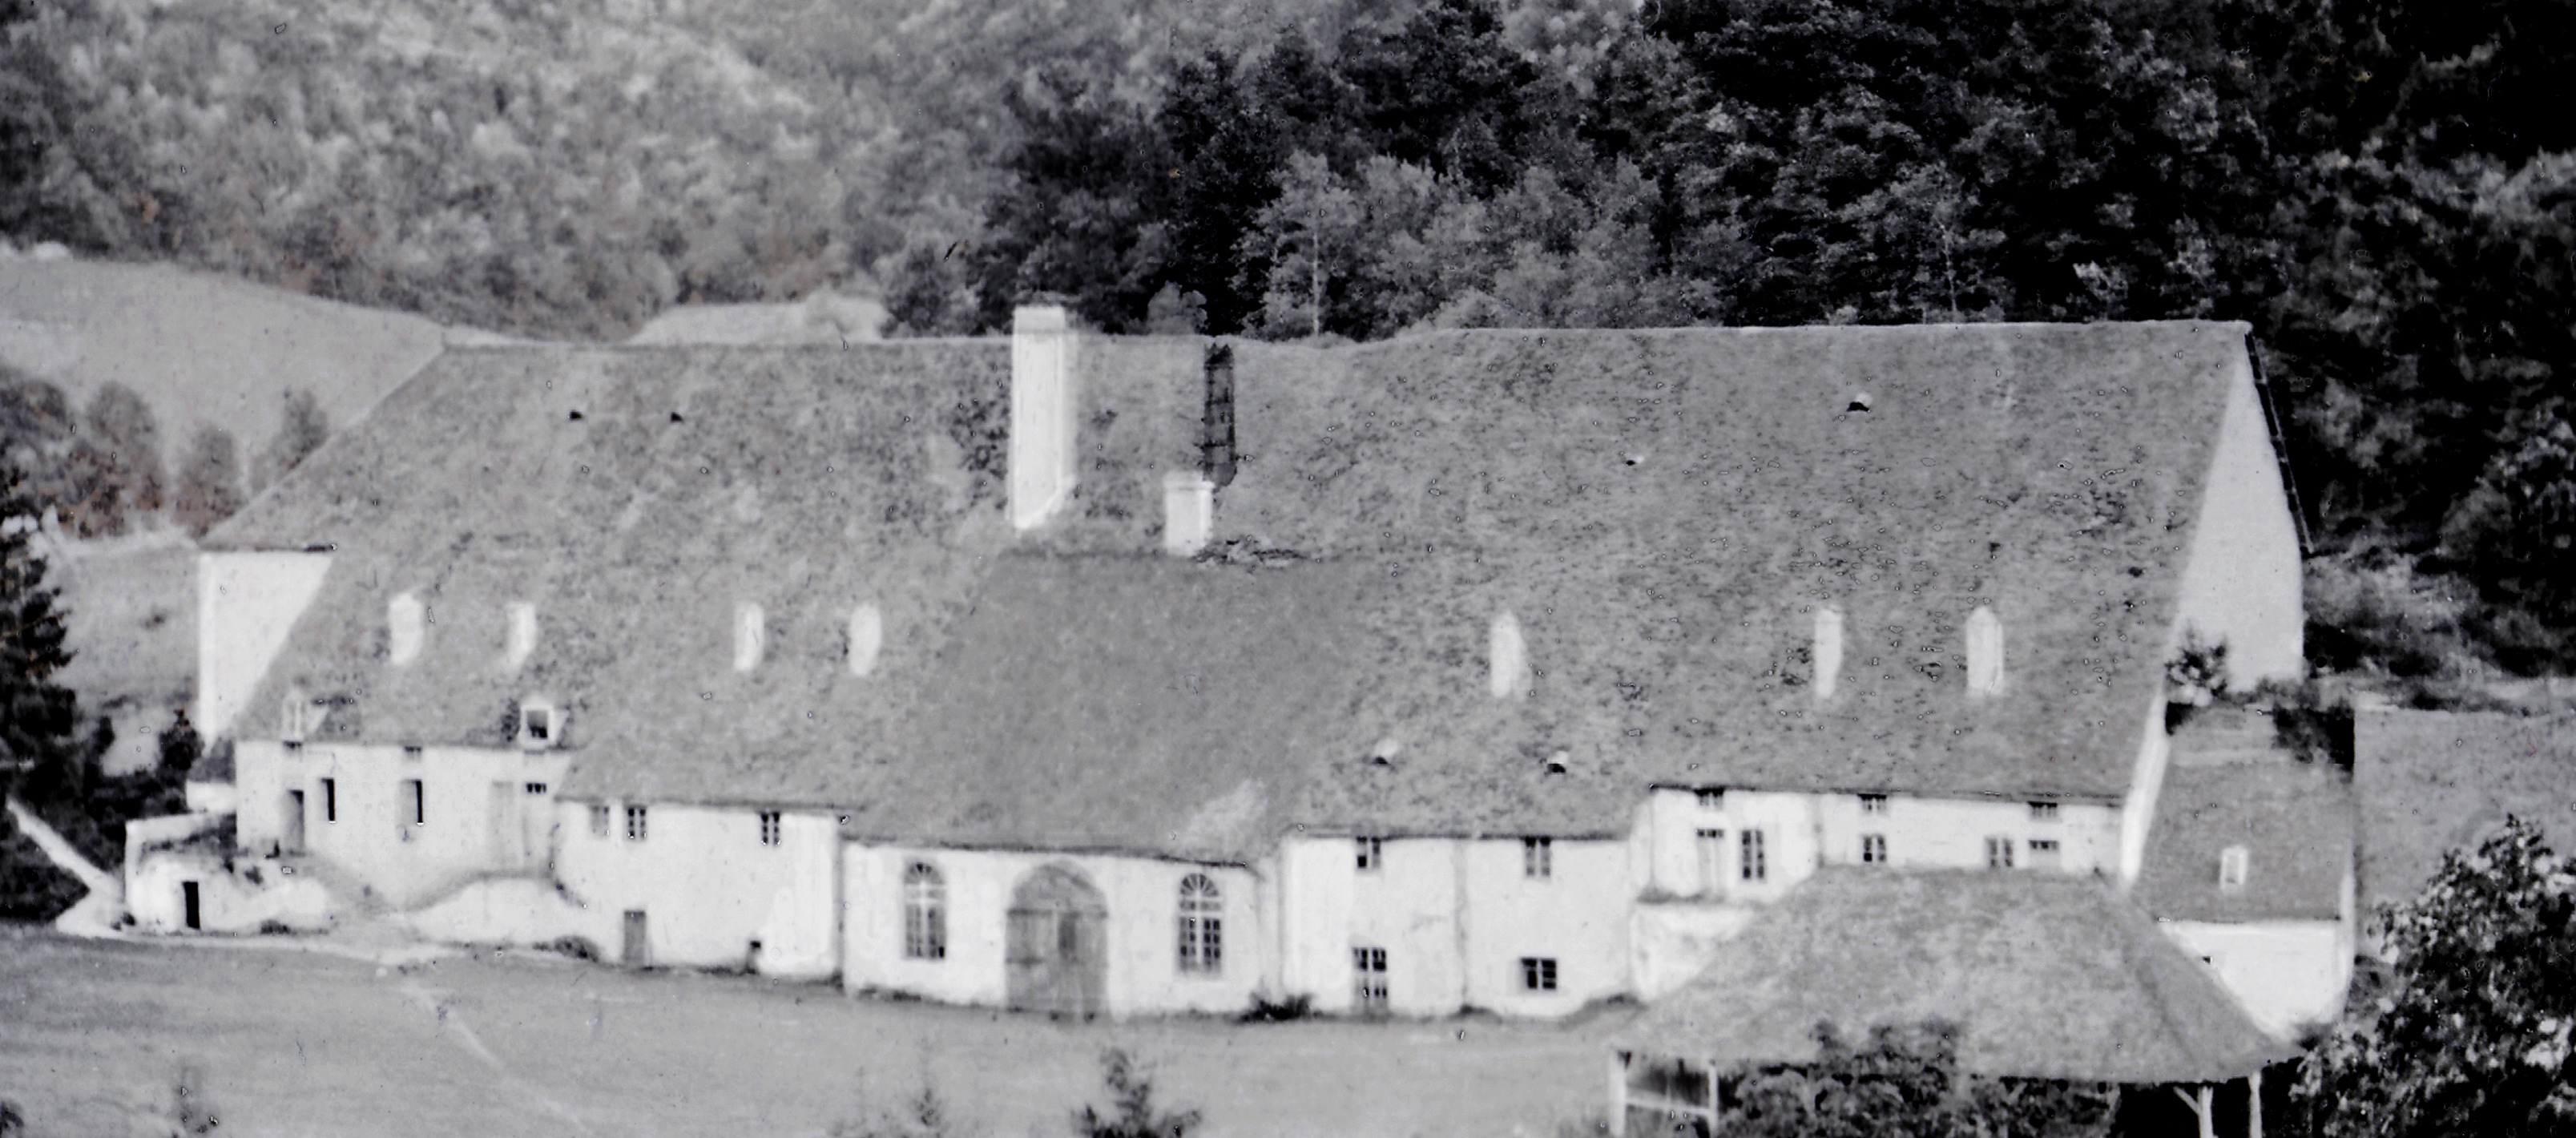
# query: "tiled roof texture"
[[2047, 976], [2295, 821]]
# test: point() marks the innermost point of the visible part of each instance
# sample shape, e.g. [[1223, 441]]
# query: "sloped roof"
[[2047, 976], [1660, 511], [1133, 703], [2295, 821], [1663, 510], [2433, 781]]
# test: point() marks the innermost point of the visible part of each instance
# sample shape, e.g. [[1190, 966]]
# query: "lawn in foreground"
[[94, 1034]]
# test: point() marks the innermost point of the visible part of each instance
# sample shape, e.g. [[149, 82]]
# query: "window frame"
[[2240, 860], [1999, 851], [602, 815], [1538, 859], [1873, 804], [1753, 861], [1873, 849], [1710, 797], [773, 828], [638, 822], [2044, 812], [330, 799], [1201, 917], [416, 797], [1369, 987], [925, 912], [1538, 974], [1371, 853]]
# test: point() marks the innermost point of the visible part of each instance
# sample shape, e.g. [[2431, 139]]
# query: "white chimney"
[[1189, 513], [1043, 405], [523, 636], [404, 616], [1507, 656], [750, 636], [1829, 651], [1985, 652]]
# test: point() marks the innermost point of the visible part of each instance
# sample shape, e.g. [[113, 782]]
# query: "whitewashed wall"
[[1142, 895], [2241, 578], [227, 901], [478, 816], [1456, 916], [1802, 831], [247, 604], [2288, 975], [708, 887]]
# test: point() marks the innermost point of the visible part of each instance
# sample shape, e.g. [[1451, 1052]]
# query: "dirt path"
[[290, 1044]]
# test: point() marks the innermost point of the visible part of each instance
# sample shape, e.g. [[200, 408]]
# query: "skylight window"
[[1985, 652], [750, 636], [404, 617], [1829, 650]]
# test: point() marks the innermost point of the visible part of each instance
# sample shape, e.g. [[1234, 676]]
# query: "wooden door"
[[1712, 862], [1057, 944], [188, 900], [635, 951]]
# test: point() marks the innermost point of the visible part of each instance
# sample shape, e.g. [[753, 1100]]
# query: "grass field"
[[93, 1036]]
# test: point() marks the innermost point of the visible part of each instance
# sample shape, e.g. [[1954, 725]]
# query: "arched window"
[[925, 913], [1202, 925]]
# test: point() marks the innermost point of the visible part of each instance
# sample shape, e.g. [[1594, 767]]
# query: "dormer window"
[[1860, 403], [1829, 650], [404, 620], [2233, 863], [1985, 652], [1556, 762], [750, 636], [1383, 754], [539, 726]]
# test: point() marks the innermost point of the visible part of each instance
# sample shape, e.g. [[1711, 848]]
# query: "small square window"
[[2234, 863], [769, 828], [1873, 804], [412, 753], [2043, 811], [1372, 854], [2044, 853], [1999, 853], [1711, 799], [1538, 857], [599, 821], [1538, 973], [1873, 849], [634, 823], [535, 788]]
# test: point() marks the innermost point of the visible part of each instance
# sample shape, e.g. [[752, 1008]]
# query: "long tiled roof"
[[2047, 976], [1659, 510]]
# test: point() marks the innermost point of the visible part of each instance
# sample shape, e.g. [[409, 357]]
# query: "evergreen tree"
[[301, 430], [209, 482], [39, 718]]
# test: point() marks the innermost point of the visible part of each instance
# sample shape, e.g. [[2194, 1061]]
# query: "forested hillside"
[[2383, 190]]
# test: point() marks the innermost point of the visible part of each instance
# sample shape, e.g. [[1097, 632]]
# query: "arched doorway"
[[1058, 947]]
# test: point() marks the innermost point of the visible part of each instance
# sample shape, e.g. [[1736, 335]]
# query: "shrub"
[[578, 948], [1131, 1090], [1267, 1010], [925, 1115]]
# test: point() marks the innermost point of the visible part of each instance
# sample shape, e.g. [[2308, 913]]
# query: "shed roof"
[[2295, 821], [2047, 976], [2433, 781]]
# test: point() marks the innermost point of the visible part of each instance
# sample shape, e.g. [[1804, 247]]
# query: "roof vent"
[[1556, 761], [750, 636], [576, 417], [1507, 656], [1829, 650], [1383, 754], [404, 616], [675, 417], [523, 636], [1860, 402], [1985, 652], [867, 635]]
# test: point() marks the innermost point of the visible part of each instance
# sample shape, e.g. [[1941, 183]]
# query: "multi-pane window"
[[1999, 853], [1372, 854], [1368, 987], [1873, 804], [1202, 925], [1712, 854], [2043, 811], [534, 788], [2043, 853], [599, 821], [1712, 799], [1538, 857], [412, 754], [414, 808], [1538, 973], [1873, 849], [634, 823], [1750, 863], [769, 825], [925, 913]]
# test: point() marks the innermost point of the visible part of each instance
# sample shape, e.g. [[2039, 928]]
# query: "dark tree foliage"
[[1085, 216], [209, 482], [1906, 1081], [302, 428], [1133, 1112], [41, 756], [2471, 1034]]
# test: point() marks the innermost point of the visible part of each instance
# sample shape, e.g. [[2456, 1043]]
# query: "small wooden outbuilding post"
[[1618, 1094]]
